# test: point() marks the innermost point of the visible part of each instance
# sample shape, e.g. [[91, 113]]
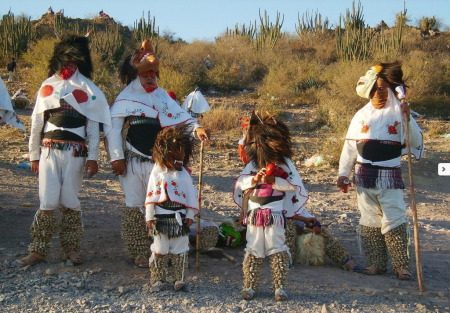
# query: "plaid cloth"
[[378, 177]]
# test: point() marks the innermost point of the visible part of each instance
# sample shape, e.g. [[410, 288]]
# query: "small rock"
[[324, 308], [50, 271], [185, 301]]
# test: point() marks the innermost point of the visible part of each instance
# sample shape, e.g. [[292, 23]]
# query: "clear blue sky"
[[203, 20]]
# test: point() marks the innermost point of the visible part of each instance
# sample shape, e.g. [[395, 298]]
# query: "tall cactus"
[[268, 33], [146, 29], [109, 43], [15, 35], [308, 24]]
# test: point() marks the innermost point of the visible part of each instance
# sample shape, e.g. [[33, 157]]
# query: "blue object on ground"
[[24, 165]]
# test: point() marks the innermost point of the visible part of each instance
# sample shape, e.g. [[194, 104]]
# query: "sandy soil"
[[215, 288]]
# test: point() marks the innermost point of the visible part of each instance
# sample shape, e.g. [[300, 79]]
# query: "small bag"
[[228, 236]]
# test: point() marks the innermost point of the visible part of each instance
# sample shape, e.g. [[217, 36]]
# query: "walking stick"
[[200, 176], [414, 209]]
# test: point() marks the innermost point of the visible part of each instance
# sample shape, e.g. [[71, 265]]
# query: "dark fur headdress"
[[169, 143], [71, 49], [267, 140]]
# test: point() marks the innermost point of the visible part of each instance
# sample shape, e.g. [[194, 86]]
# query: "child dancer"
[[171, 206], [271, 200]]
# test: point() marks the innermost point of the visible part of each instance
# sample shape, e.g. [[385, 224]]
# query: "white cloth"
[[7, 114], [196, 103], [163, 245], [293, 201], [79, 92], [384, 208], [379, 124], [265, 241], [175, 185], [60, 179], [135, 101], [134, 183]]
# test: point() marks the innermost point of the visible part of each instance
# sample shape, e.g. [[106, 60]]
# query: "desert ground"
[[108, 281]]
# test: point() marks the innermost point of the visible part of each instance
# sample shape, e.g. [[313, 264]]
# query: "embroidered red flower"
[[174, 183], [184, 195], [294, 199], [150, 194], [143, 114], [158, 192], [365, 129], [169, 115], [165, 185], [392, 130], [176, 192]]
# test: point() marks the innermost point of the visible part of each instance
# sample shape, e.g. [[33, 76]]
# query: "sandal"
[[280, 295], [74, 257], [31, 259], [158, 286], [350, 265], [372, 270], [404, 274], [248, 294], [179, 285], [141, 261]]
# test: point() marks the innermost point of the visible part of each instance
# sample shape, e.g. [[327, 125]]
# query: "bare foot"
[[73, 256], [141, 261], [372, 270], [31, 259], [404, 274]]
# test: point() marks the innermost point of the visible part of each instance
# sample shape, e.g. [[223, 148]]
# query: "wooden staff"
[[200, 175], [413, 204]]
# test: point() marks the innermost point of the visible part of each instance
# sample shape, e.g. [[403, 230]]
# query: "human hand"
[[92, 166], [35, 166], [259, 175], [340, 183], [268, 179], [405, 109], [188, 221], [203, 134], [118, 167], [151, 224], [317, 230]]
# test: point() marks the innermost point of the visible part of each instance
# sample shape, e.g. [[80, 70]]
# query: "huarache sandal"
[[372, 270], [280, 295], [31, 259], [248, 294], [74, 257], [350, 265], [141, 261], [404, 274], [179, 285]]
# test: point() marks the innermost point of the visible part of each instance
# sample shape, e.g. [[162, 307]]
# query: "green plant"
[[15, 35], [146, 29], [308, 24]]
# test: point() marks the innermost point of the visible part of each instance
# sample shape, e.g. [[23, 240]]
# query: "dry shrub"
[[436, 128], [222, 118], [181, 84]]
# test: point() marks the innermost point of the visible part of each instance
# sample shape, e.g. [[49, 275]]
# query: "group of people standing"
[[149, 138]]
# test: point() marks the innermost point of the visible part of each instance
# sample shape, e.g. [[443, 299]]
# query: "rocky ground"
[[109, 282]]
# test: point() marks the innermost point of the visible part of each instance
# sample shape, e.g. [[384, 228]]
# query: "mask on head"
[[366, 82]]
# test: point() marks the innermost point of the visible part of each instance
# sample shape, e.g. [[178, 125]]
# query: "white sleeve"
[[282, 184], [245, 182], [114, 139], [34, 145], [190, 213], [93, 135], [150, 212], [348, 158]]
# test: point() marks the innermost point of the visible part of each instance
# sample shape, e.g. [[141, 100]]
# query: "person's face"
[[379, 93], [148, 79]]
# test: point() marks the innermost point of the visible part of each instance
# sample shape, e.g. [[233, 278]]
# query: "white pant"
[[265, 241], [11, 77], [60, 179], [383, 208], [134, 183], [163, 245]]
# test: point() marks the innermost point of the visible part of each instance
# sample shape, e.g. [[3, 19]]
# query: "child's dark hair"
[[392, 74], [169, 142], [267, 141]]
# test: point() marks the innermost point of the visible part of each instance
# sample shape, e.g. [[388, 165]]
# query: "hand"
[[259, 175], [151, 224], [35, 167], [340, 182], [405, 109], [317, 230], [118, 167], [203, 134], [309, 221], [188, 221], [92, 166]]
